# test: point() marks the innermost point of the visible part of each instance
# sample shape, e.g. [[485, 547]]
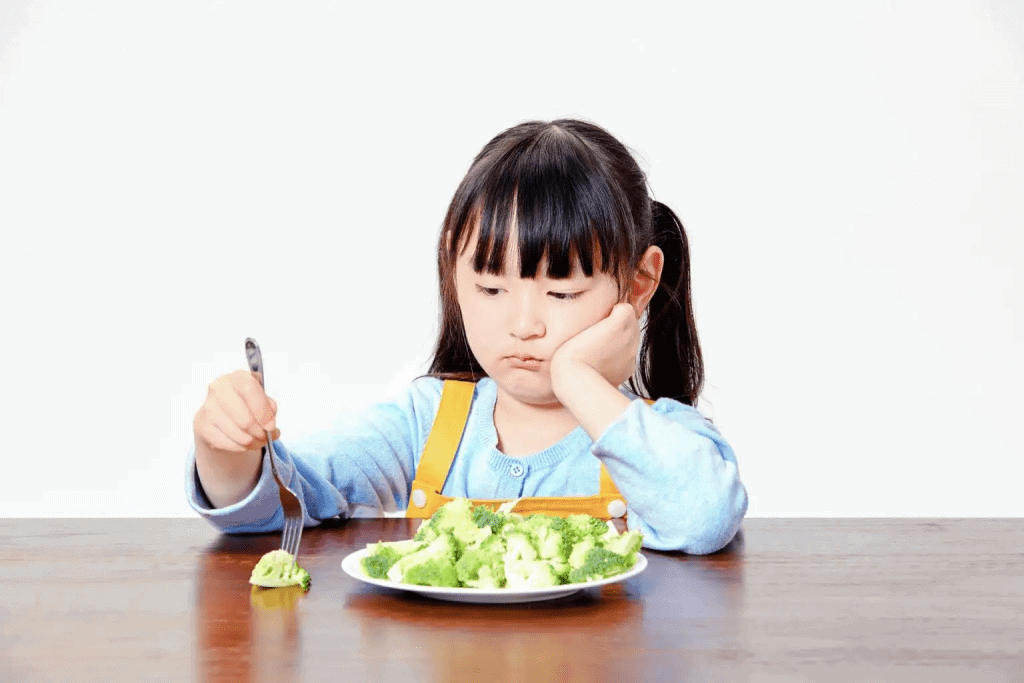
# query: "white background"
[[175, 178]]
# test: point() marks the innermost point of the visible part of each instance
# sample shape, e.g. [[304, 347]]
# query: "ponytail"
[[670, 363]]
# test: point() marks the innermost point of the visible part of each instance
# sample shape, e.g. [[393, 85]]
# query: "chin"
[[532, 391]]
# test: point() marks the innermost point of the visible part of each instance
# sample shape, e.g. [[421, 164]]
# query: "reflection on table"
[[147, 599], [381, 633]]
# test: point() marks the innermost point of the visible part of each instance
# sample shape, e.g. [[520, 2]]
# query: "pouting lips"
[[524, 362]]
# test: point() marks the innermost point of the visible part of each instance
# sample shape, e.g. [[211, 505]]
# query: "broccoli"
[[579, 553], [567, 536], [483, 564], [598, 564], [560, 566], [477, 547], [277, 569], [553, 543], [452, 515], [455, 517], [379, 562], [526, 574], [433, 565], [539, 521], [586, 526], [383, 555], [436, 572], [484, 516], [576, 529], [518, 546], [426, 533], [627, 543], [469, 565], [488, 579]]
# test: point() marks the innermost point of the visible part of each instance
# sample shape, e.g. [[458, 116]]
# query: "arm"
[[362, 467], [678, 475], [676, 472], [587, 369], [592, 400]]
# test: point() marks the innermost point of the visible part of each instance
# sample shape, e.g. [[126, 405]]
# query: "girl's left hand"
[[609, 346]]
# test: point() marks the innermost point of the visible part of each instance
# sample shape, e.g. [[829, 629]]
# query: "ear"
[[646, 279]]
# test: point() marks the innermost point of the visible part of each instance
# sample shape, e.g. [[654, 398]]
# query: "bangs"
[[551, 194]]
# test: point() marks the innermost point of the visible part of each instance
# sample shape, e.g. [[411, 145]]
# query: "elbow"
[[701, 525], [721, 522]]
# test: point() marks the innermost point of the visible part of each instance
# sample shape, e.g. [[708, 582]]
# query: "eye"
[[488, 291], [564, 296]]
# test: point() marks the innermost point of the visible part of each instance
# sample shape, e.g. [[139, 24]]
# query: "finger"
[[212, 437], [235, 409], [260, 406], [229, 427], [208, 432], [634, 308], [221, 441], [252, 405], [624, 312]]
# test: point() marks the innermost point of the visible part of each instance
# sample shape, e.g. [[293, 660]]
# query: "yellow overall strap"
[[445, 435], [439, 452]]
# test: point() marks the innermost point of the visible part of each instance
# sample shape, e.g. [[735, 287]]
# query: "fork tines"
[[292, 534]]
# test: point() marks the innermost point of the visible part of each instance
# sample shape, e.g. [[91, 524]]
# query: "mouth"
[[524, 361]]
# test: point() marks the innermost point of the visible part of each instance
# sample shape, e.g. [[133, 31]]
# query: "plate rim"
[[351, 565]]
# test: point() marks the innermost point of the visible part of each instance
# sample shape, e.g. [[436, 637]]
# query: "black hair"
[[573, 195]]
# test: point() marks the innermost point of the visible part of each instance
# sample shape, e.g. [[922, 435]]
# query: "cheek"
[[569, 323], [477, 324], [588, 313]]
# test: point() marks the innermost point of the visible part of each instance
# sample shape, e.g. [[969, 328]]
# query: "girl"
[[555, 270]]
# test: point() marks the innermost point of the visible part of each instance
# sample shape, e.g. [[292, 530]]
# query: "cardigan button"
[[419, 498], [517, 470], [616, 509]]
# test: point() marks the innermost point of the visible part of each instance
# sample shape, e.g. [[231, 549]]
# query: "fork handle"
[[255, 358]]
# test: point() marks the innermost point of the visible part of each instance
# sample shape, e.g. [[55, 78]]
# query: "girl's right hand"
[[236, 415]]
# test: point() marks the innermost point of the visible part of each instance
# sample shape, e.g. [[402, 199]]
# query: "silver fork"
[[294, 511]]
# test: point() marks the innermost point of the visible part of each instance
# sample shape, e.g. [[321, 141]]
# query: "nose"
[[527, 321]]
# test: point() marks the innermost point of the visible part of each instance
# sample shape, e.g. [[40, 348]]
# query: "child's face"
[[515, 325]]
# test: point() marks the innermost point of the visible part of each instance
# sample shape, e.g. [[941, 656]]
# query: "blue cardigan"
[[678, 475]]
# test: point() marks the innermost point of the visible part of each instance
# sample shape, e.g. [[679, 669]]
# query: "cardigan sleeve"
[[362, 467], [679, 476]]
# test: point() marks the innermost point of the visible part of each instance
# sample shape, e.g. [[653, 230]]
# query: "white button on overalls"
[[616, 509], [419, 498]]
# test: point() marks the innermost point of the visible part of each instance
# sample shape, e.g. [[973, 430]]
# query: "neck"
[[526, 428]]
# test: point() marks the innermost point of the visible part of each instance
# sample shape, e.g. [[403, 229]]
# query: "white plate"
[[352, 565]]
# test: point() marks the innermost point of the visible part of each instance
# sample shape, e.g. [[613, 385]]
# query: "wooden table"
[[829, 600]]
